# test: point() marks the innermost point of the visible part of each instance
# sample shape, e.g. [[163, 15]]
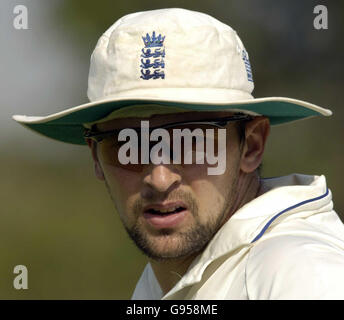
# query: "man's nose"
[[161, 179]]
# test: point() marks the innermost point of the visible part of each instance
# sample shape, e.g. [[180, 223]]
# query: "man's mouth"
[[165, 215], [163, 212]]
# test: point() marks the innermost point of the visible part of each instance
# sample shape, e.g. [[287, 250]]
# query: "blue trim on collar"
[[285, 210]]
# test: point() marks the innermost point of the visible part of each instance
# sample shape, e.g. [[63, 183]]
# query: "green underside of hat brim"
[[70, 129]]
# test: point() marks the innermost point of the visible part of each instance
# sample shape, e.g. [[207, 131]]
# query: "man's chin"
[[168, 244], [161, 246]]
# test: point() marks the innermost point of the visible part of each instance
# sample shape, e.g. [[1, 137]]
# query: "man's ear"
[[257, 131], [97, 167]]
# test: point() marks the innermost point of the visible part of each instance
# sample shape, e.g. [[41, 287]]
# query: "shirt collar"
[[300, 193]]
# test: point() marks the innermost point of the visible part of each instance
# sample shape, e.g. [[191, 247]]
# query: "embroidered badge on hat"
[[153, 58], [247, 65]]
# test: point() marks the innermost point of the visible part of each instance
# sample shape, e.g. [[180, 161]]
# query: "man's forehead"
[[161, 119]]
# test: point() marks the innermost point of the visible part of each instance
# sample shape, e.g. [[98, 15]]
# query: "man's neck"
[[248, 188], [169, 272]]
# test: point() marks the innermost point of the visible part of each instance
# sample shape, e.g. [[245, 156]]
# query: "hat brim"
[[68, 125]]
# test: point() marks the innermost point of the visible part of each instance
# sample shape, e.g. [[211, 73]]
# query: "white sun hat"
[[164, 61]]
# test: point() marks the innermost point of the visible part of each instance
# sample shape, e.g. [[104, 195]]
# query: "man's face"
[[171, 210]]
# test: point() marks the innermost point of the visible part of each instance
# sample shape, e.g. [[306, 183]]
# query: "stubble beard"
[[168, 244], [180, 244]]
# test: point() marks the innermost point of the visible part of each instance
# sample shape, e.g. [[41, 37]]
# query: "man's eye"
[[112, 142]]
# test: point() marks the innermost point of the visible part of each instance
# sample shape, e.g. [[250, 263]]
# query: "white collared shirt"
[[288, 243]]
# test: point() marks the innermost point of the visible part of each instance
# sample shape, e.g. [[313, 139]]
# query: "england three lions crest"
[[152, 57]]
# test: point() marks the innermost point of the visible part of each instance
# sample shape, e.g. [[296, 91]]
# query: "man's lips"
[[164, 207], [165, 215]]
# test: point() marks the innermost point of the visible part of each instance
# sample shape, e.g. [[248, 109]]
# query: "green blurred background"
[[56, 218]]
